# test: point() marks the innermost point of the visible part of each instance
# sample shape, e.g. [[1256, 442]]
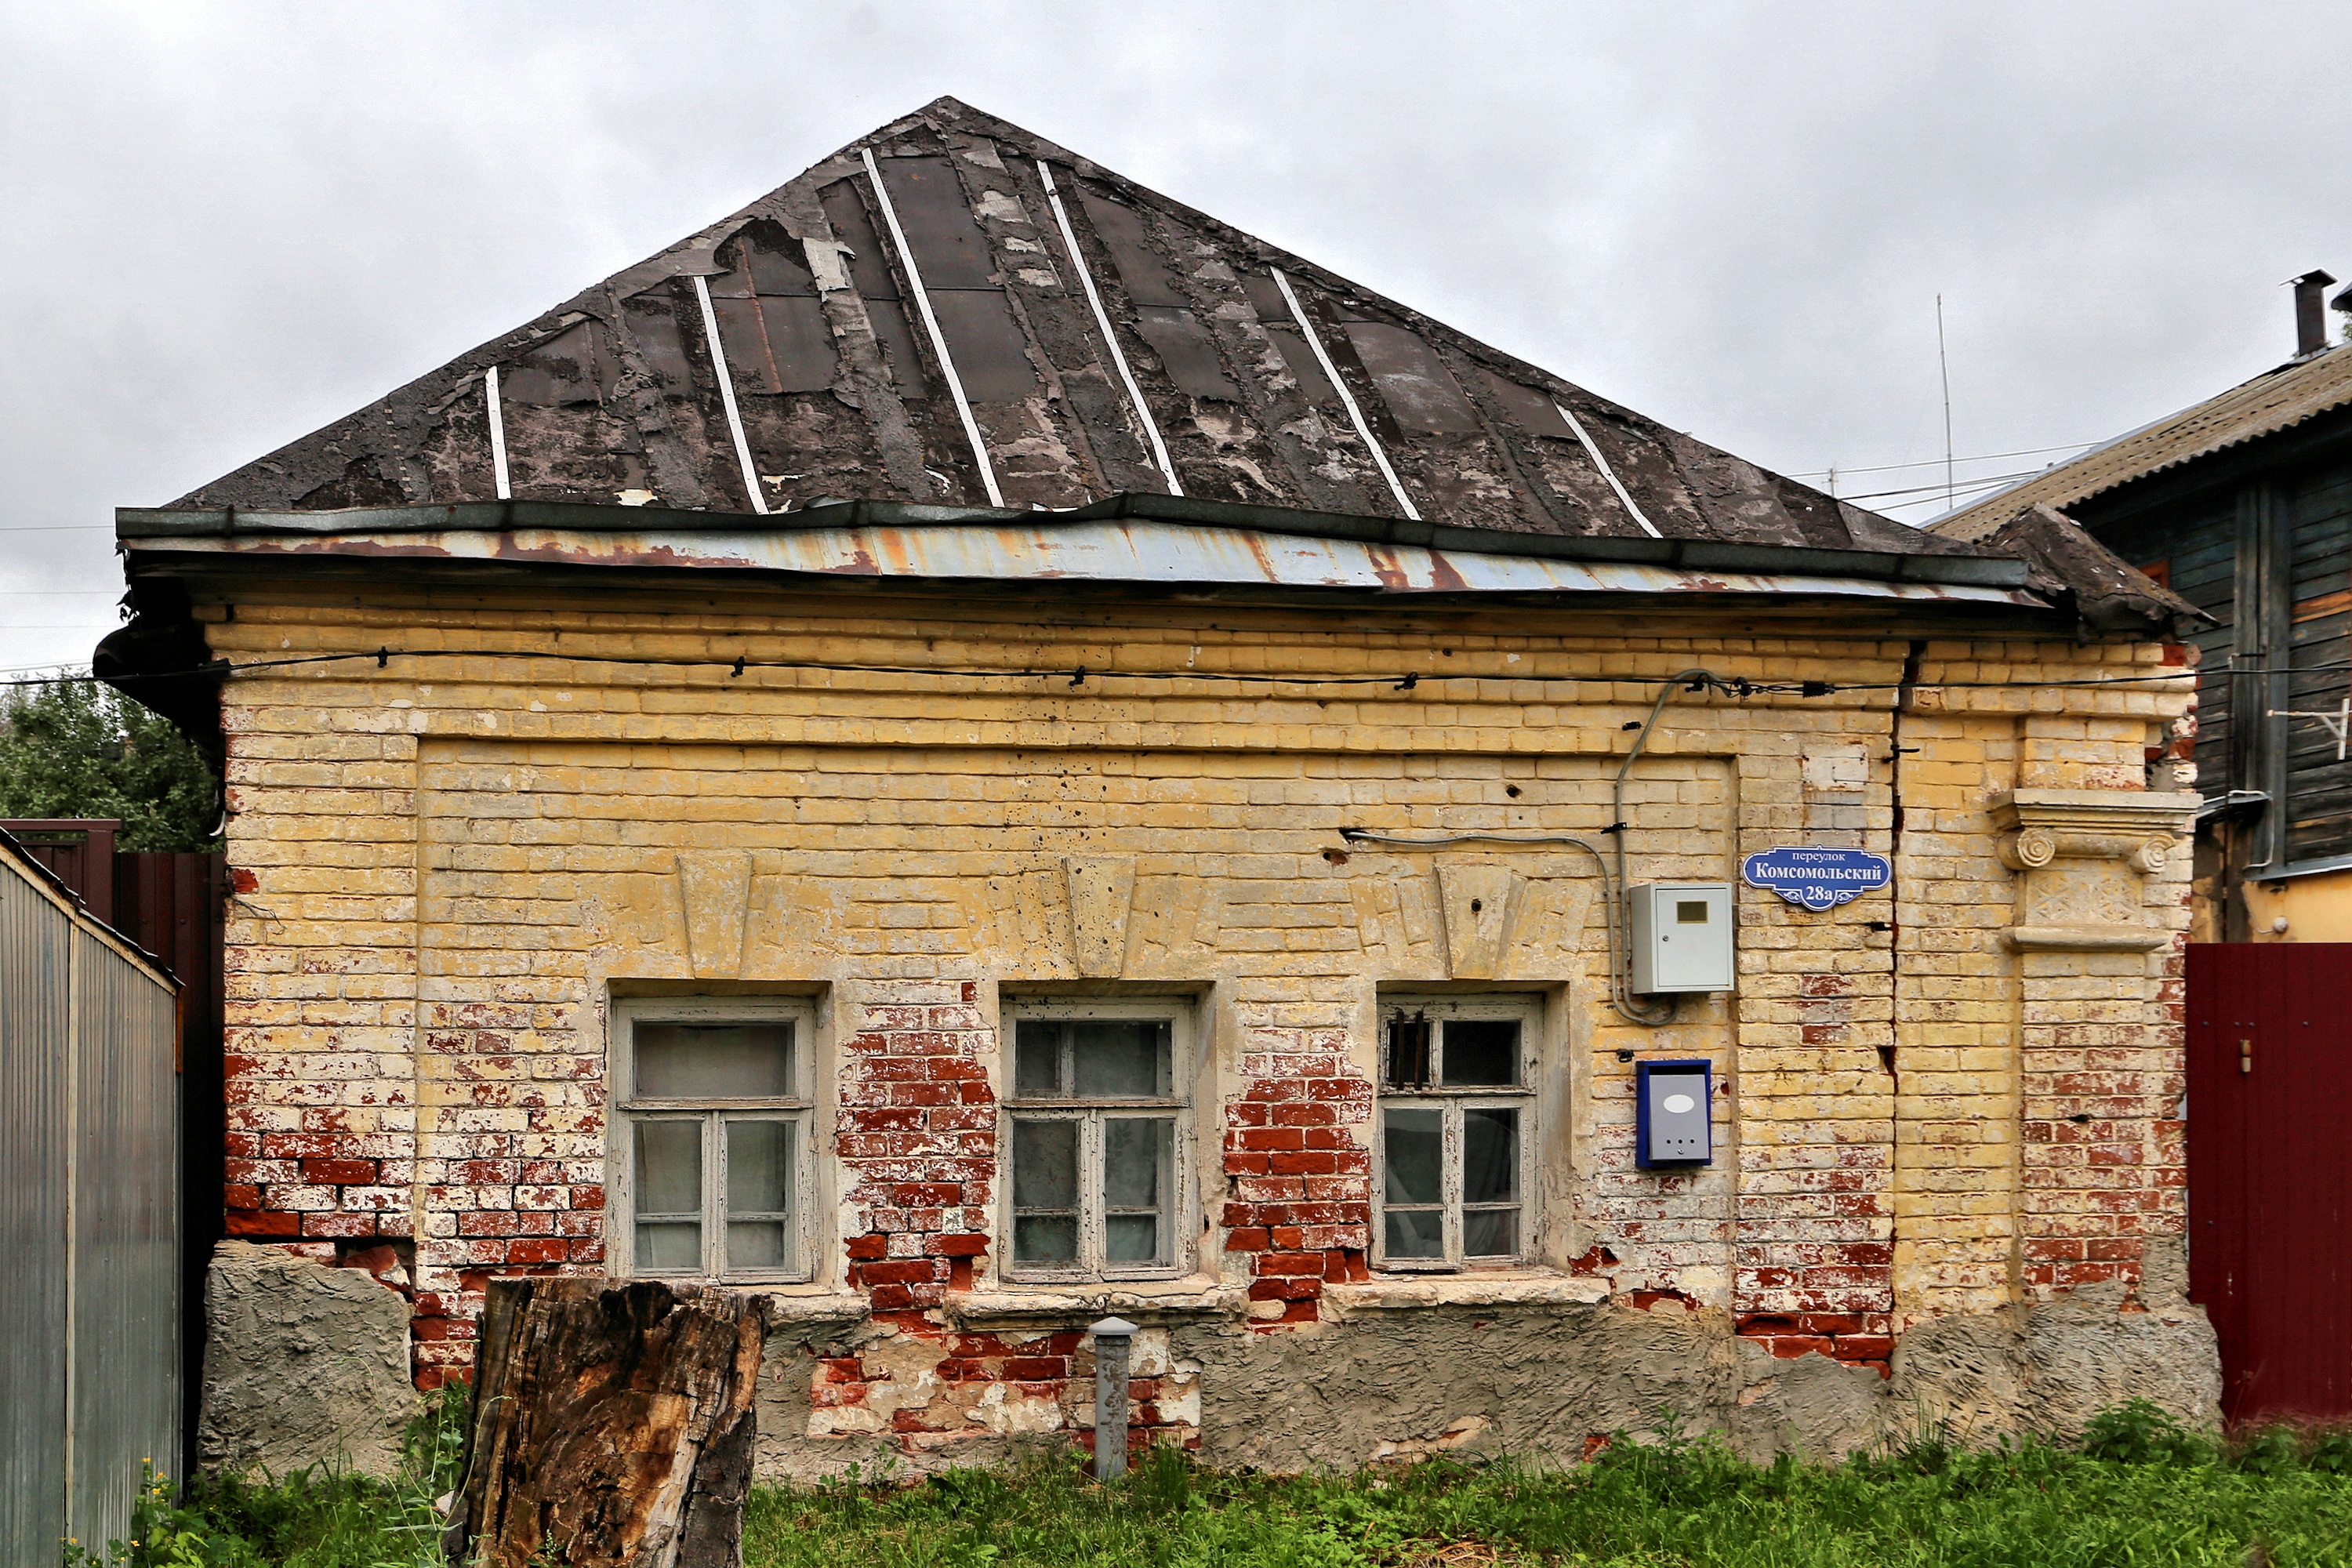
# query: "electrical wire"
[[1738, 686], [1610, 883], [1986, 482], [1938, 462], [1700, 680], [1615, 890]]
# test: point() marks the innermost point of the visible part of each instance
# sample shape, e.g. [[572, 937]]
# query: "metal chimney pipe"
[[2310, 313]]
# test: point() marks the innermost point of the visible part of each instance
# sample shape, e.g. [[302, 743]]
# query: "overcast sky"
[[222, 226]]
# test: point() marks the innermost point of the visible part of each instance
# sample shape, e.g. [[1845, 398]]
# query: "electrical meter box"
[[1672, 1126], [1682, 937]]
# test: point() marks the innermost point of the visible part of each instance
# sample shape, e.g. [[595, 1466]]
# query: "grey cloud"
[[228, 225]]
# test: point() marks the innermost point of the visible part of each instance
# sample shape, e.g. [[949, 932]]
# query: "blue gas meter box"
[[1673, 1124]]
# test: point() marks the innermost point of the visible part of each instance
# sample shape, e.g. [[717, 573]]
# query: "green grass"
[[1686, 1505], [2140, 1493]]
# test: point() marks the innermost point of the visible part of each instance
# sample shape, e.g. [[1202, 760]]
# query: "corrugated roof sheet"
[[2276, 400], [955, 311]]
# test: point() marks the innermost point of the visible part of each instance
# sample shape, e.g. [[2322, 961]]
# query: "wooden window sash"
[[714, 1111], [1091, 1113], [1453, 1102]]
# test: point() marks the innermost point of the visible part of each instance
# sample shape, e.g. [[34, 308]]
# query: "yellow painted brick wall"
[[445, 865]]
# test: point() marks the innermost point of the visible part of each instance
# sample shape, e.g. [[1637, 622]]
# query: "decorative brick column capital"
[[2081, 854]]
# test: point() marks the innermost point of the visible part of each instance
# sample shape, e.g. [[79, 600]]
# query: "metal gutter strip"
[[1102, 319], [1331, 373], [726, 397], [932, 325], [1607, 472], [1118, 550], [497, 433], [147, 527]]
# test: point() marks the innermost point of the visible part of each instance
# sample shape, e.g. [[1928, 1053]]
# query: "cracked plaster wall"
[[1545, 1381]]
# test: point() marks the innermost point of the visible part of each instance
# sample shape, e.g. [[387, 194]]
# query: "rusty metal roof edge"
[[135, 524]]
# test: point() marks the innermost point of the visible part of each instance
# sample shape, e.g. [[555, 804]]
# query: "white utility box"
[[1682, 937]]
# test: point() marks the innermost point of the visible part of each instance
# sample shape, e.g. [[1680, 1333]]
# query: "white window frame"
[[1090, 1114], [629, 1107], [1527, 1010]]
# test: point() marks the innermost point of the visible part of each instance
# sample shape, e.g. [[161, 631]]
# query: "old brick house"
[[970, 747]]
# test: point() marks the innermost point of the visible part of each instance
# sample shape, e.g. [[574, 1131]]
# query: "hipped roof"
[[1099, 340]]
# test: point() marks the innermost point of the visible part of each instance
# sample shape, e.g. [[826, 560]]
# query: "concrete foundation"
[[306, 1365], [303, 1364], [1550, 1381]]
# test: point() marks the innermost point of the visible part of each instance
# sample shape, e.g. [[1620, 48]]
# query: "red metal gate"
[[2270, 1170]]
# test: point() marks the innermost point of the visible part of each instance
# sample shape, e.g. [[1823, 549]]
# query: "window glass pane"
[[1490, 1233], [759, 1167], [713, 1061], [1137, 1161], [669, 1167], [1045, 1164], [1490, 1155], [1120, 1057], [1478, 1052], [1036, 1059], [1412, 1155], [1045, 1238], [1131, 1238], [1418, 1233], [759, 1244], [669, 1246], [1135, 1153], [1409, 1038]]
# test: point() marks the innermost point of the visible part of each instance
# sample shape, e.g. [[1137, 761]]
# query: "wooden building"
[[2242, 505]]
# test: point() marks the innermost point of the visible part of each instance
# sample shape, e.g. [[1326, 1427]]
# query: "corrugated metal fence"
[[90, 1292], [172, 906]]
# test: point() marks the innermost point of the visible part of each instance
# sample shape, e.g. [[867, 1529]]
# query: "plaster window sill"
[[1515, 1288], [788, 1304], [1046, 1308]]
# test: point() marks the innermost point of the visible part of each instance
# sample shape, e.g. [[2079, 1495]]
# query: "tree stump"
[[612, 1426]]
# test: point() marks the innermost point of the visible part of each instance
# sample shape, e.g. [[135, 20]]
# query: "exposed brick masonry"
[[436, 897]]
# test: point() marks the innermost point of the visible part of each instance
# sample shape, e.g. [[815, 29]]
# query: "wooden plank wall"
[[2236, 554], [2195, 551], [2319, 788]]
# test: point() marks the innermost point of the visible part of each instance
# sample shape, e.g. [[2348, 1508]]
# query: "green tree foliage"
[[73, 747]]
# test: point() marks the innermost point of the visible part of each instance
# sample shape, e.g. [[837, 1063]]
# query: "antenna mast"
[[1944, 369]]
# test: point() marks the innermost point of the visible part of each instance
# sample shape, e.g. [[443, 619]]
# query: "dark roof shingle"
[[1239, 373]]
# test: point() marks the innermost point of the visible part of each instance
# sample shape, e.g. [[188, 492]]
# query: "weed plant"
[[320, 1517]]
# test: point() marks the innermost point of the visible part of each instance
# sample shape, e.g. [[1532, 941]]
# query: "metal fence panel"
[[126, 1329], [90, 1368], [35, 944]]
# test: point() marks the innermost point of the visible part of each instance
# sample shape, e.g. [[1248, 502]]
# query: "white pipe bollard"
[[1114, 1338]]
